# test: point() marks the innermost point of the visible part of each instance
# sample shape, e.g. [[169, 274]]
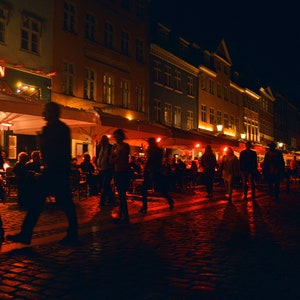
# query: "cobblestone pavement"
[[203, 249]]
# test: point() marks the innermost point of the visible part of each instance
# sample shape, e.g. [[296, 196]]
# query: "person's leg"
[[122, 183], [63, 196], [252, 183]]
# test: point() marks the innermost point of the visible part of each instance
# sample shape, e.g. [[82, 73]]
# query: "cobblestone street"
[[203, 249]]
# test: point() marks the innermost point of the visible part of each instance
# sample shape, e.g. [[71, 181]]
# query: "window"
[[168, 76], [125, 43], [203, 82], [68, 79], [231, 122], [225, 93], [3, 22], [89, 84], [69, 17], [211, 86], [203, 113], [108, 89], [212, 116], [30, 34], [140, 9], [219, 90], [219, 118], [157, 110], [125, 93], [190, 120], [139, 50], [183, 50], [157, 71], [140, 99], [190, 85], [177, 80], [168, 114], [108, 36], [226, 121], [90, 24], [177, 116], [163, 36]]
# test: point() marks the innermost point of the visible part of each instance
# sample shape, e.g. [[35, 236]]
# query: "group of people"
[[245, 169], [112, 162]]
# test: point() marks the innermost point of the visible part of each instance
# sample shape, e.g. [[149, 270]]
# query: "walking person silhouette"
[[55, 143]]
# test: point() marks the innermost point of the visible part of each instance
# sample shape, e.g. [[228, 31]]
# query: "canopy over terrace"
[[137, 132], [25, 117]]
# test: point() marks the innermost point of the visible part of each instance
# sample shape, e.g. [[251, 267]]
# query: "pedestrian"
[[230, 171], [208, 162], [105, 172], [120, 159], [274, 170], [153, 176], [55, 144], [294, 169], [248, 168]]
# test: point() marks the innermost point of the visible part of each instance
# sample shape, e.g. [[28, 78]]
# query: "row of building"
[[111, 64]]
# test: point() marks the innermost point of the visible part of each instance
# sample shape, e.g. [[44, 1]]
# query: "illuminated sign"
[[2, 71]]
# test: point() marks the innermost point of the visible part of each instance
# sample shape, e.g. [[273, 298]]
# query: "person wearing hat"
[[153, 176], [248, 169], [273, 169]]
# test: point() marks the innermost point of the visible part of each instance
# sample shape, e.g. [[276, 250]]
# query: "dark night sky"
[[263, 41]]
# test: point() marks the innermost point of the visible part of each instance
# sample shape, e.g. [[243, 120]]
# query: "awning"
[[136, 131], [26, 116]]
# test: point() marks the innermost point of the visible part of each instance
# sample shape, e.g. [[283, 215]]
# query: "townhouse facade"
[[110, 66]]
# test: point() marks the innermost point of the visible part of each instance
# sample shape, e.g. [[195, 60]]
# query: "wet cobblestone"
[[200, 250]]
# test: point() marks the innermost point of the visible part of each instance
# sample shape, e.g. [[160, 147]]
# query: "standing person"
[[153, 175], [55, 142], [229, 170], [274, 169], [248, 168], [208, 162], [105, 171], [294, 169], [120, 159]]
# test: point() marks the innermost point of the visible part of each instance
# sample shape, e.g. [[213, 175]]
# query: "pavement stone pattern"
[[203, 249]]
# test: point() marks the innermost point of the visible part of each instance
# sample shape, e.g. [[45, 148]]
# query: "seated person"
[[89, 169], [35, 163], [20, 171]]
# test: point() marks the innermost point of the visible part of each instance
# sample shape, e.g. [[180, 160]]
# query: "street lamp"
[[243, 136], [219, 127]]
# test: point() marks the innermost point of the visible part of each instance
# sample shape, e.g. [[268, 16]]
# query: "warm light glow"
[[243, 135], [280, 144], [158, 139], [225, 149], [219, 127], [197, 146], [6, 124]]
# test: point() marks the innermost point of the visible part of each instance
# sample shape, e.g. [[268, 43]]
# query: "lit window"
[[190, 120], [168, 114], [28, 90], [177, 116], [108, 89]]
